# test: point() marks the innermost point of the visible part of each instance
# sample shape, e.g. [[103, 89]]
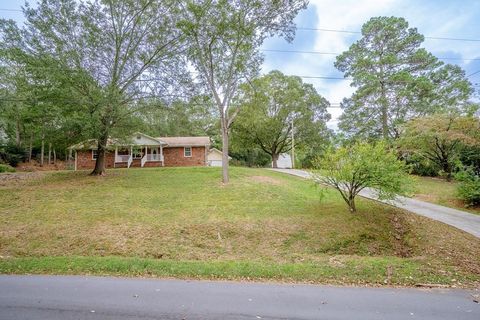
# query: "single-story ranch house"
[[142, 150]]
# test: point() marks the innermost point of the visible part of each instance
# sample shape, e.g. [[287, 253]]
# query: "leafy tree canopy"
[[396, 80], [361, 165], [224, 38], [440, 138], [275, 106], [106, 55]]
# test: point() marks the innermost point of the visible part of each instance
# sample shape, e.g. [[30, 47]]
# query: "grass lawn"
[[440, 191], [182, 222]]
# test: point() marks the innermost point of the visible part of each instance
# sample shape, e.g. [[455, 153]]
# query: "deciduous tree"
[[351, 169], [111, 53], [275, 107], [440, 138], [224, 39]]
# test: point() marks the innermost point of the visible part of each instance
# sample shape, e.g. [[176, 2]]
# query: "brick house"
[[142, 150]]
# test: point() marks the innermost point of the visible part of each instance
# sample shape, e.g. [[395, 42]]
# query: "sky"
[[432, 18]]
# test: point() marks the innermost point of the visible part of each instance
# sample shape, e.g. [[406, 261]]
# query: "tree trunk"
[[384, 111], [49, 152], [274, 160], [99, 169], [18, 141], [42, 152], [224, 153], [30, 147], [351, 204], [54, 157], [447, 169]]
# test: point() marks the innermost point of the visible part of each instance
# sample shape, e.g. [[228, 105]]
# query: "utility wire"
[[471, 74], [331, 105], [336, 54], [358, 32], [332, 30], [11, 10]]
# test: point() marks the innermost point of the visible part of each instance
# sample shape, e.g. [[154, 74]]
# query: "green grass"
[[440, 191], [345, 270], [182, 222]]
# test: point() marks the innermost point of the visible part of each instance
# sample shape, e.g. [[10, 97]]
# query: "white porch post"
[[146, 152], [161, 155], [116, 154]]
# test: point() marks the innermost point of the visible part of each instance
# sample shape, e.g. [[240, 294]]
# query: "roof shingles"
[[186, 141]]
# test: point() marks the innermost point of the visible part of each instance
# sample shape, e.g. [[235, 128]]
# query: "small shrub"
[[12, 154], [422, 166], [6, 168], [354, 168], [469, 187]]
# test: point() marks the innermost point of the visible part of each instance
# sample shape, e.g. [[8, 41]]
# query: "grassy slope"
[[440, 191], [183, 222]]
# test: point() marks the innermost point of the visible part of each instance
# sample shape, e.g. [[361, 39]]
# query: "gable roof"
[[92, 144], [185, 141], [215, 150], [142, 138], [139, 138]]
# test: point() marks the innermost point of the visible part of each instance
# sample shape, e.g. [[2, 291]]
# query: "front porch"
[[138, 156]]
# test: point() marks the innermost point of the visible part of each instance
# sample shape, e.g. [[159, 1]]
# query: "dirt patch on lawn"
[[8, 179], [35, 166], [267, 180], [400, 231]]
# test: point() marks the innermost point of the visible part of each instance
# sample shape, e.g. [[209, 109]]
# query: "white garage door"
[[215, 163]]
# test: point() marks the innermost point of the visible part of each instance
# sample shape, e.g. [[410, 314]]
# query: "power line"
[[323, 77], [333, 30], [359, 32], [60, 100], [13, 10], [471, 74], [335, 54]]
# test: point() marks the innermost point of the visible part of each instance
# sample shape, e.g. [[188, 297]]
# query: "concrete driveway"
[[462, 220], [77, 297]]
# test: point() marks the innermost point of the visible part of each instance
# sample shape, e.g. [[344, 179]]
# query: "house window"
[[94, 154], [187, 151]]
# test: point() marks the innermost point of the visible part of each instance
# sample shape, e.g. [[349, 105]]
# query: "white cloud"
[[432, 18]]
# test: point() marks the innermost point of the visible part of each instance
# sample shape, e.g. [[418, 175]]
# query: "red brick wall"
[[137, 163], [152, 164], [85, 161], [174, 157]]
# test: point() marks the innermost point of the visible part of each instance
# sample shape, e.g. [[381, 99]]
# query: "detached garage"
[[214, 158], [284, 161]]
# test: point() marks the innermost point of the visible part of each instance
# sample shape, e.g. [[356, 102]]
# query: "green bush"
[[469, 187], [6, 168], [421, 166], [12, 154]]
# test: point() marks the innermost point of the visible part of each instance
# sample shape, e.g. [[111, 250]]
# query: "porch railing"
[[122, 158], [130, 160], [154, 157]]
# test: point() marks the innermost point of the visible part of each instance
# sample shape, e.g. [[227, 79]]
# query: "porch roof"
[[202, 141], [141, 139]]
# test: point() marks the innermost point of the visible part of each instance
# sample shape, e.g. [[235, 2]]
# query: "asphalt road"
[[77, 297], [462, 220]]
